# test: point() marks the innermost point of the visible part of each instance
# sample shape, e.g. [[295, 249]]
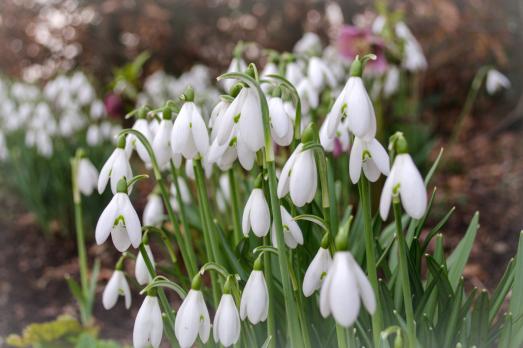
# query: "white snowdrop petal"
[[302, 179], [386, 194], [187, 323], [245, 156], [356, 160], [199, 132], [156, 324], [283, 182], [142, 324], [343, 293], [120, 237], [358, 109], [140, 269], [103, 179], [228, 332], [325, 309], [119, 170], [132, 223], [365, 289], [371, 171], [313, 276], [279, 119], [412, 189], [110, 294], [246, 216], [260, 217], [379, 156], [251, 125], [124, 287], [106, 221], [179, 133]]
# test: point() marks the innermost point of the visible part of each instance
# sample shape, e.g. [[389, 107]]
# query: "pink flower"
[[353, 41]]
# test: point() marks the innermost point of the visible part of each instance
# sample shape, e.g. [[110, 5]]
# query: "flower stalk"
[[404, 274]]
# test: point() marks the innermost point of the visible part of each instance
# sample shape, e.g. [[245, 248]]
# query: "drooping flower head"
[[256, 214], [117, 286], [317, 270], [115, 168], [226, 324], [148, 325], [254, 303]]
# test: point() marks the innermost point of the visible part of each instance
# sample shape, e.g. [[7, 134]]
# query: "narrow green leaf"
[[458, 259], [75, 290], [93, 281], [480, 320], [516, 301], [433, 168], [436, 229], [312, 218], [452, 320], [501, 291]]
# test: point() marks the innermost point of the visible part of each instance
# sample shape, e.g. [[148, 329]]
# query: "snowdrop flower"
[[496, 81], [343, 288], [340, 143], [245, 113], [392, 81], [189, 135], [281, 124], [404, 183], [256, 215], [193, 317], [115, 168], [148, 326], [309, 95], [299, 177], [93, 136], [319, 74], [87, 176], [294, 73], [413, 57], [140, 269], [153, 212], [317, 269], [162, 140], [292, 234], [237, 65], [353, 106], [117, 286], [223, 195], [226, 324], [254, 303], [141, 125], [309, 42], [370, 156], [119, 219]]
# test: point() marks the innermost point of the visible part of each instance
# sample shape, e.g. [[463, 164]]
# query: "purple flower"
[[353, 41], [114, 105]]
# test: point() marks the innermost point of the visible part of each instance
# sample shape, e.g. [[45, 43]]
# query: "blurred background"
[[99, 44]]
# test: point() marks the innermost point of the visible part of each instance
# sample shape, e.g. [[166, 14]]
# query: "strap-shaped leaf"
[[501, 291], [516, 301], [458, 259], [480, 321], [432, 170]]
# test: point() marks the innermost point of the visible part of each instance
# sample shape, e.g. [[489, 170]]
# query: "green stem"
[[271, 327], [166, 241], [404, 274], [237, 227], [469, 103], [181, 208], [80, 239], [342, 338], [364, 191], [212, 243], [188, 256]]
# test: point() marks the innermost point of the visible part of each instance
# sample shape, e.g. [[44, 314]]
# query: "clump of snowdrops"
[[270, 230]]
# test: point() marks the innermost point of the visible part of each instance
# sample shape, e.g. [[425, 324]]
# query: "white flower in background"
[[117, 286], [317, 271], [319, 74], [226, 324], [309, 42], [299, 177], [256, 214], [343, 288], [93, 135], [254, 303], [341, 136], [189, 135], [413, 57], [4, 153], [216, 115], [281, 123], [141, 125], [148, 326], [294, 73], [496, 81], [353, 107], [236, 65], [115, 168], [223, 195], [392, 81], [405, 180], [185, 194], [189, 168], [119, 219], [87, 176], [245, 113], [269, 69], [192, 320], [97, 110], [309, 95], [292, 234], [162, 142], [140, 268], [153, 212], [370, 156]]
